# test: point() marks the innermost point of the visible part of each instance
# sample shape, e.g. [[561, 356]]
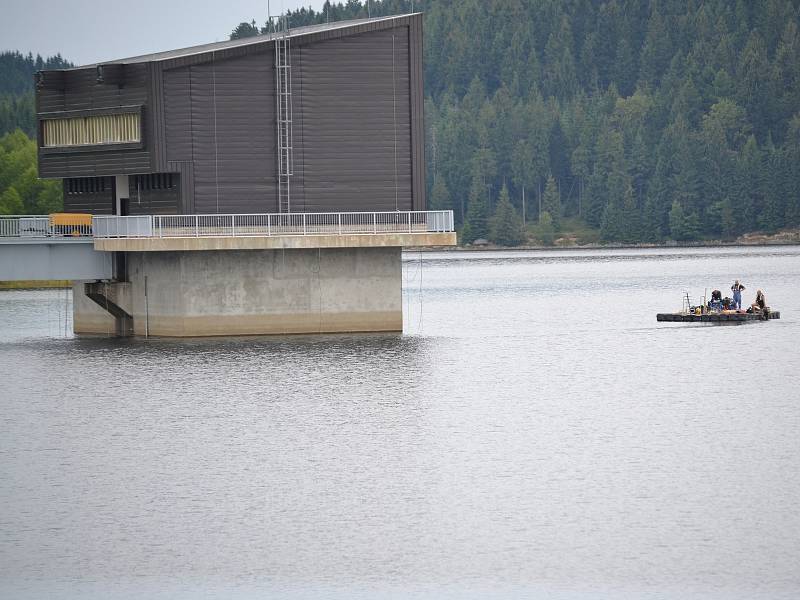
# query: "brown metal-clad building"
[[197, 130]]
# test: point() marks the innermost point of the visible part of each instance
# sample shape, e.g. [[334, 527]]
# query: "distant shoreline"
[[492, 247], [750, 240], [747, 241], [35, 285]]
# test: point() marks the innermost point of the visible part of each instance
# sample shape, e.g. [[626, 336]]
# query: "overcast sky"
[[89, 31]]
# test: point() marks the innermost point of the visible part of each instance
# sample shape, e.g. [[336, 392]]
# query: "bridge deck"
[[38, 247], [46, 259], [275, 241]]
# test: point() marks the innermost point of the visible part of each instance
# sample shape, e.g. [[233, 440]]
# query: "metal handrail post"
[[196, 226], [304, 223], [409, 222], [374, 222]]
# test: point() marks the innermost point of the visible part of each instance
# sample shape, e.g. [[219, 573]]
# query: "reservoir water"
[[533, 433]]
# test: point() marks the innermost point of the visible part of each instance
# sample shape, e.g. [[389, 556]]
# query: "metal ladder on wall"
[[283, 96]]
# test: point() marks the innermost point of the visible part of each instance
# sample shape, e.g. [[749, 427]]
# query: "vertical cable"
[[216, 146], [394, 107], [420, 292]]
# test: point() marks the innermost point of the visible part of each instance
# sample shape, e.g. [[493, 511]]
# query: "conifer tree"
[[612, 227], [684, 225], [551, 203], [440, 196], [506, 225], [727, 219], [547, 231], [749, 200], [677, 222], [477, 225], [772, 216], [651, 219], [632, 218]]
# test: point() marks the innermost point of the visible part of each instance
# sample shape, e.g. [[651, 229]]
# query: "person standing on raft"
[[737, 289]]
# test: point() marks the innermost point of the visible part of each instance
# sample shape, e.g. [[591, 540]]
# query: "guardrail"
[[265, 225], [254, 225], [40, 226]]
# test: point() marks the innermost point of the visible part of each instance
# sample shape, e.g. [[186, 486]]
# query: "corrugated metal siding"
[[220, 117], [185, 170], [352, 101], [156, 125], [96, 203], [145, 199], [178, 114], [417, 113], [81, 92]]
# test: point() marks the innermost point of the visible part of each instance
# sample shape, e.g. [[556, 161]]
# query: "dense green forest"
[[21, 192], [646, 120]]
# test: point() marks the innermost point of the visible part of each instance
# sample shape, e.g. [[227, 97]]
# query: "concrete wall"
[[87, 316], [208, 293]]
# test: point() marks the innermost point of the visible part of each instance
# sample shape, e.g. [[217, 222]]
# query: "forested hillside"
[[17, 106], [647, 119]]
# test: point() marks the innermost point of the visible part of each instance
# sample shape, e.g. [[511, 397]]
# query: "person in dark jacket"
[[716, 301], [761, 301], [737, 289]]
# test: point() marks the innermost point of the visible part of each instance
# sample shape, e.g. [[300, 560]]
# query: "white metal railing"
[[265, 225], [253, 225], [39, 226]]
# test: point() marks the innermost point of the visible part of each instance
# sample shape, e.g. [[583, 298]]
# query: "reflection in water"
[[534, 433]]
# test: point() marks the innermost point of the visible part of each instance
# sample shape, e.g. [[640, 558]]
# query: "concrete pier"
[[252, 292], [197, 275]]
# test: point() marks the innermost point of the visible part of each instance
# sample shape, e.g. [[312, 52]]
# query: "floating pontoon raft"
[[718, 317]]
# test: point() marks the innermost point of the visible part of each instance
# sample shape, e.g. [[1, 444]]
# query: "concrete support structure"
[[87, 316], [252, 292], [115, 299]]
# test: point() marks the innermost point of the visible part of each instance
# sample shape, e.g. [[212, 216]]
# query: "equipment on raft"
[[718, 311]]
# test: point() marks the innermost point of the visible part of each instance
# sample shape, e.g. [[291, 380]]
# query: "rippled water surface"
[[534, 433]]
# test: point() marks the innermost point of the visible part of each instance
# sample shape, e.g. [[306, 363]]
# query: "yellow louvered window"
[[92, 130]]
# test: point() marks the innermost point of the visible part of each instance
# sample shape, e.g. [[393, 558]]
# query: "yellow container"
[[70, 219]]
